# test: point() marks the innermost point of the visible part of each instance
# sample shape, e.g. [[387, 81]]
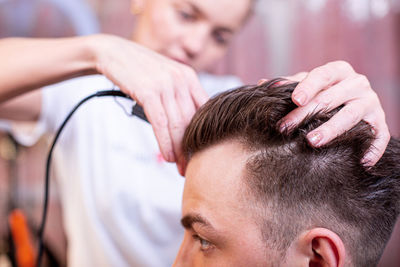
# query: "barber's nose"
[[195, 41]]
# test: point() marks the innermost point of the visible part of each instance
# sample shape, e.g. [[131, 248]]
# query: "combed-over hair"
[[297, 186]]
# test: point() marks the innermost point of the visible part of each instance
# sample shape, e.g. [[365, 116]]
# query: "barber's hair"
[[296, 187]]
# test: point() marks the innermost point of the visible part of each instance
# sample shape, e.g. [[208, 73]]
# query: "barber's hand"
[[330, 86], [168, 91]]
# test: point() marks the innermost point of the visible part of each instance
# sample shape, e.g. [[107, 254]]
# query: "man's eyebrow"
[[188, 220]]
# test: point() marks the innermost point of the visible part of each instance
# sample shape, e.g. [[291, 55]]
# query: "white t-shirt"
[[121, 201]]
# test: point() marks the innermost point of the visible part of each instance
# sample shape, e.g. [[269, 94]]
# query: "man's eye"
[[204, 244]]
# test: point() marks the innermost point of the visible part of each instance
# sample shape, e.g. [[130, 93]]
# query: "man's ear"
[[327, 248], [318, 247]]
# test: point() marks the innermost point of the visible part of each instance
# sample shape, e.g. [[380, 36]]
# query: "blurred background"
[[284, 37]]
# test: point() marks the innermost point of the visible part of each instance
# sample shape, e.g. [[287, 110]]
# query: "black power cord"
[[136, 110]]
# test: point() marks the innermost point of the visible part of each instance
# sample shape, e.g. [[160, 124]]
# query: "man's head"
[[256, 197]]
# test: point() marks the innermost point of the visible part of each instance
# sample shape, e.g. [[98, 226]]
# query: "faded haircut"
[[295, 186]]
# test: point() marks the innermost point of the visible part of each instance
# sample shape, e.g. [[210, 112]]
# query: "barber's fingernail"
[[171, 157], [300, 98], [373, 131], [365, 160], [180, 169], [262, 81], [283, 82], [283, 126], [315, 138], [368, 159]]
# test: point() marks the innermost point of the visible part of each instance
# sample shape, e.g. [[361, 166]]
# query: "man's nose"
[[182, 259], [178, 260], [195, 40]]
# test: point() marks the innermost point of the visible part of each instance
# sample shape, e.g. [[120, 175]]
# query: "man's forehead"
[[214, 175]]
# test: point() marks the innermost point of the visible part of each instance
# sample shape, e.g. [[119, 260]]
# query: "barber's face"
[[194, 32], [219, 228]]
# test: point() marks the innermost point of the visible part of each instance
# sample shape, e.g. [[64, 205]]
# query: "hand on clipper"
[[170, 95]]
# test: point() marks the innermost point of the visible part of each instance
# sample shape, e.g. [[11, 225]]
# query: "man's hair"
[[295, 186]]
